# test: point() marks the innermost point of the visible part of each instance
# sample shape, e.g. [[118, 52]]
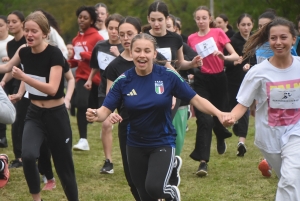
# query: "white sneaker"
[[82, 145]]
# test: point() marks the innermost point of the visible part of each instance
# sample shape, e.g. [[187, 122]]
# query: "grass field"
[[230, 177]]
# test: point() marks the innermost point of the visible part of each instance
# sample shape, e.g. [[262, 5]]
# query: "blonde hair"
[[39, 18]]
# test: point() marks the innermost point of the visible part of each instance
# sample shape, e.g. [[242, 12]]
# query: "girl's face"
[[102, 15], [33, 34], [112, 30], [202, 19], [14, 24], [262, 22], [143, 54], [170, 26], [281, 40], [84, 21], [70, 50], [157, 22], [126, 32], [3, 29], [245, 26], [220, 23]]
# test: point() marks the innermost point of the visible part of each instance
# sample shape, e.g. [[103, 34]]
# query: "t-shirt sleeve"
[[57, 58], [114, 97], [109, 72], [180, 88], [223, 38], [248, 89], [94, 58], [66, 66]]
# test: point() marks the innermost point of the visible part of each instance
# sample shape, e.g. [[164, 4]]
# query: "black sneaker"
[[108, 167], [202, 170], [221, 146], [175, 176], [175, 194], [15, 164], [3, 142], [241, 149]]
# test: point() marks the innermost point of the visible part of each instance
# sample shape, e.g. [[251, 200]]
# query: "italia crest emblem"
[[159, 87]]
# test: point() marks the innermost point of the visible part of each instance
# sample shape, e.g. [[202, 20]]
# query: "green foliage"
[[64, 10]]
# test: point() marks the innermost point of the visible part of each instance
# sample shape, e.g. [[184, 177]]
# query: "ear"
[[155, 54], [148, 19]]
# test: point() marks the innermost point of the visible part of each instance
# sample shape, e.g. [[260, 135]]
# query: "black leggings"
[[54, 125], [150, 170]]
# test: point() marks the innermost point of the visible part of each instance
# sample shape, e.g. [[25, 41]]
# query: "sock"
[[2, 164]]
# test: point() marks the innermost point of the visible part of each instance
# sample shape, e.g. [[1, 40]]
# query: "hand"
[[67, 103], [18, 73], [84, 55], [5, 59], [197, 61], [91, 115], [173, 102], [14, 98], [2, 83], [239, 61], [88, 84], [227, 119], [219, 54], [114, 50], [246, 67], [115, 118]]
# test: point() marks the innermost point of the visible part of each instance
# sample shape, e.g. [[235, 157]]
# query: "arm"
[[185, 65], [70, 89], [7, 77], [7, 67], [7, 109], [236, 113], [233, 56], [97, 115], [16, 97], [47, 88], [108, 85], [88, 84]]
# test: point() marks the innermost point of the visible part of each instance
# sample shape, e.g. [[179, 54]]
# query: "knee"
[[28, 157], [106, 126], [154, 190]]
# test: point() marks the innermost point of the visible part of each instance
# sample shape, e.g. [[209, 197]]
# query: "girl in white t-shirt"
[[274, 84]]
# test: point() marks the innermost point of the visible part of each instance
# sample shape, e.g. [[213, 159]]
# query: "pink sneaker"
[[265, 169], [50, 185], [4, 176]]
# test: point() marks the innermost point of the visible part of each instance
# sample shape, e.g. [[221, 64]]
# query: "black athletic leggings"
[[54, 125], [150, 170]]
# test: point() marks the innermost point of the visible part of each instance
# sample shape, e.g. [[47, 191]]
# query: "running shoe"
[[221, 146], [4, 174], [202, 170], [82, 145], [15, 164], [265, 168], [241, 149], [50, 185], [175, 176], [108, 167]]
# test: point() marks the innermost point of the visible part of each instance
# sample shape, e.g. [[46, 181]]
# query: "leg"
[[180, 122], [122, 133], [289, 182], [3, 140], [107, 142], [59, 138]]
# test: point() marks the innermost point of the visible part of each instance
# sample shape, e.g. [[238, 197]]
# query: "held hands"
[[18, 73], [114, 50], [239, 61], [227, 119]]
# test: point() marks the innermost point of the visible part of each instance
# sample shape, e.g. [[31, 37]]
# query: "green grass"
[[230, 177]]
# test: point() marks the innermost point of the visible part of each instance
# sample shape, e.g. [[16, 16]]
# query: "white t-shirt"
[[3, 43], [277, 92], [103, 33], [56, 40]]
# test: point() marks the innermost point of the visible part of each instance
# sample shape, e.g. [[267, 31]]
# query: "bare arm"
[[7, 77], [185, 65], [98, 115], [7, 67], [47, 88], [108, 85], [18, 96], [233, 56], [70, 89], [237, 112]]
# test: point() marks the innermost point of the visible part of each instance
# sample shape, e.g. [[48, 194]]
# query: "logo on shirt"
[[287, 95], [132, 93], [159, 87]]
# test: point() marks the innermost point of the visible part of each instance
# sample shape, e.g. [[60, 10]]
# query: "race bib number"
[[104, 59], [285, 98], [206, 47], [166, 52], [34, 91]]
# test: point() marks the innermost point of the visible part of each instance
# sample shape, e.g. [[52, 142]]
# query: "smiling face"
[[143, 54], [33, 34], [84, 20], [126, 32], [14, 24], [157, 21], [281, 40]]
